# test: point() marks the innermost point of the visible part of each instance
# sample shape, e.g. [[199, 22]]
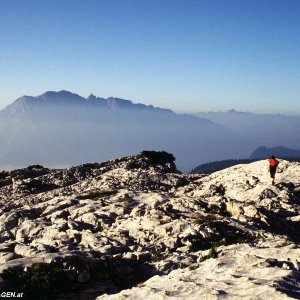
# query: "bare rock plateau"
[[136, 228]]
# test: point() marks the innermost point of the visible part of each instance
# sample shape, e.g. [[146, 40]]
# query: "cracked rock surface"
[[113, 225]]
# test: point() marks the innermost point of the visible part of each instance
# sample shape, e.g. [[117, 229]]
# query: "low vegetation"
[[159, 156], [38, 280], [212, 253], [223, 234], [38, 186], [157, 255], [35, 167], [95, 195]]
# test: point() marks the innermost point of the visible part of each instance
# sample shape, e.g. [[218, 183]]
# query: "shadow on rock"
[[290, 285]]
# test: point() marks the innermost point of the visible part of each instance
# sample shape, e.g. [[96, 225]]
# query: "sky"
[[187, 55]]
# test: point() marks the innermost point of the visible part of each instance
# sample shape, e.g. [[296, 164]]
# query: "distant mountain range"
[[63, 129], [266, 129]]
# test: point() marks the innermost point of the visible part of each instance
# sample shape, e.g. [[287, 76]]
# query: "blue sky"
[[188, 55]]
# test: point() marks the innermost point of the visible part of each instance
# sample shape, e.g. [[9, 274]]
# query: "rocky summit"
[[136, 228]]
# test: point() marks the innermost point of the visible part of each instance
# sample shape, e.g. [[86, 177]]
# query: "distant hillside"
[[280, 152]]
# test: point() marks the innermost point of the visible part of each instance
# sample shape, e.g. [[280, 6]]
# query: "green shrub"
[[32, 167], [127, 199], [200, 218], [40, 279], [37, 186], [94, 195], [212, 253], [297, 192], [159, 156], [157, 255]]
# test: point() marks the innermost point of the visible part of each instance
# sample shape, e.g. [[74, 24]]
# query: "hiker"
[[273, 165]]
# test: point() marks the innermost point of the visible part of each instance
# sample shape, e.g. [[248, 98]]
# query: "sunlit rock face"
[[108, 227]]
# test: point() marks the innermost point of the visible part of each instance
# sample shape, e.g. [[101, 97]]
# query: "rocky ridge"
[[106, 227]]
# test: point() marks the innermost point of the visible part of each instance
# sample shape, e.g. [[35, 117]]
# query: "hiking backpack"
[[274, 162]]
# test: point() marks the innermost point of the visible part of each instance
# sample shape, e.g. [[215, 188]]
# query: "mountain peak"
[[61, 92], [117, 103], [280, 151], [91, 97], [60, 96]]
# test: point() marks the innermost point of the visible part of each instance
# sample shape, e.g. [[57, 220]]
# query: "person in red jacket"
[[273, 166]]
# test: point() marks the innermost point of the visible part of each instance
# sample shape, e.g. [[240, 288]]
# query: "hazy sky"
[[188, 55]]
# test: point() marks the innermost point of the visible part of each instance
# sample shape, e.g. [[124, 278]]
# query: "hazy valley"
[[269, 130], [59, 129]]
